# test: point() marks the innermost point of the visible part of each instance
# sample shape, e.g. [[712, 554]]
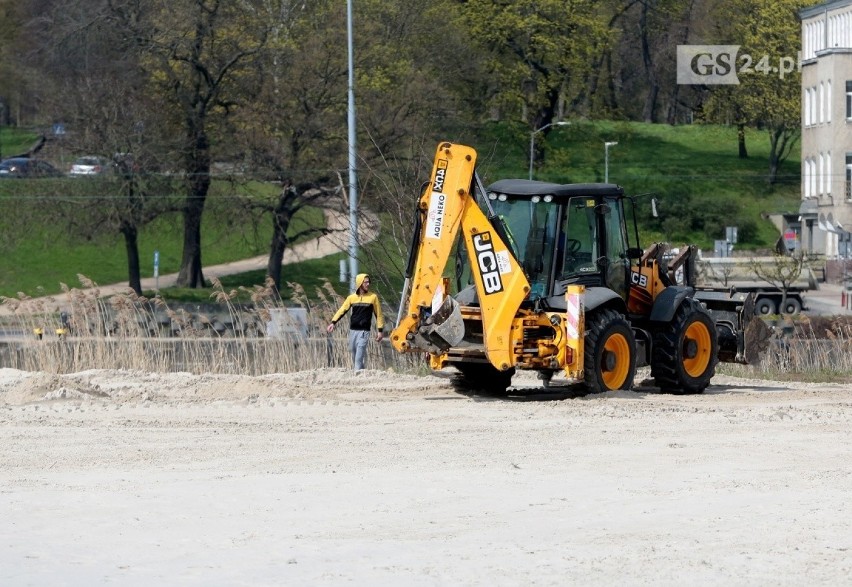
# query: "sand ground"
[[334, 478]]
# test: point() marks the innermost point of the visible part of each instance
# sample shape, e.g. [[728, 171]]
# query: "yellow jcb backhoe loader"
[[547, 277]]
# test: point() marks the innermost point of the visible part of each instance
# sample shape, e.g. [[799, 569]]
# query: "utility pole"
[[353, 177]]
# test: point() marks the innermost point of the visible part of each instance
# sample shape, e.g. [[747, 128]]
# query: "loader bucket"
[[755, 340], [743, 337]]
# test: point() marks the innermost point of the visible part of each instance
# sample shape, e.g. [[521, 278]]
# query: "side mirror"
[[634, 253]]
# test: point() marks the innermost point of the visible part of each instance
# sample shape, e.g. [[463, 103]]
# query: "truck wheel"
[[792, 306], [684, 357], [764, 307], [482, 377], [609, 358]]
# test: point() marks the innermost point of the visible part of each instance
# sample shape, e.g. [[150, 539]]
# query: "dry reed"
[[811, 349], [132, 332]]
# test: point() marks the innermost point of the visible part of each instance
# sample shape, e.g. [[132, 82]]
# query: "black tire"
[[765, 307], [482, 377], [609, 359], [684, 357], [792, 306]]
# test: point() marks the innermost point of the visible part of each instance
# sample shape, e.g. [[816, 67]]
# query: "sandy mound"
[[119, 386]]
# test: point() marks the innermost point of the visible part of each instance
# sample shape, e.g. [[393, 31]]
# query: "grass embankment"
[[700, 183], [693, 171]]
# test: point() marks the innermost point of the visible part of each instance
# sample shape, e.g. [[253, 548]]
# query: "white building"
[[826, 209]]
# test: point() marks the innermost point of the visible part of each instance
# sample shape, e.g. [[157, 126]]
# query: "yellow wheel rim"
[[617, 345], [697, 365]]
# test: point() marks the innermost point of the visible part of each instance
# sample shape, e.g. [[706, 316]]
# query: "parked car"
[[26, 167], [90, 165]]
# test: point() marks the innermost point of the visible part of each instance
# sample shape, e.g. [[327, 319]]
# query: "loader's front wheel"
[[609, 359], [481, 377], [684, 357]]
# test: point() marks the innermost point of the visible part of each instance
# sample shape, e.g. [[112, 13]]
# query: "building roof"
[[819, 9]]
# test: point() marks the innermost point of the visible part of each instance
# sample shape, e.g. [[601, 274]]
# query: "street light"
[[353, 178], [607, 145], [532, 140]]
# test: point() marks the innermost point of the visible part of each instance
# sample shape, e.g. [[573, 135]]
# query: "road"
[[826, 301]]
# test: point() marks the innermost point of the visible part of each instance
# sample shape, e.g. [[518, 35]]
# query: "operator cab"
[[561, 234]]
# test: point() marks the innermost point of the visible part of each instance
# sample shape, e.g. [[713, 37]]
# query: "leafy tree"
[[295, 132], [540, 53], [769, 32], [101, 93], [200, 55], [19, 89]]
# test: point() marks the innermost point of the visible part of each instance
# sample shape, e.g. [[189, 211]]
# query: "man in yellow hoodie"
[[363, 305]]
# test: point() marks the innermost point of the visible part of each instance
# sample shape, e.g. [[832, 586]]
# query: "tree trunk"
[[671, 115], [781, 141], [543, 117], [776, 144], [190, 269], [649, 111], [198, 184], [741, 141], [276, 254], [131, 245], [281, 216]]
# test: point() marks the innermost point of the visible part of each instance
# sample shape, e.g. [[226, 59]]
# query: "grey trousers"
[[358, 340]]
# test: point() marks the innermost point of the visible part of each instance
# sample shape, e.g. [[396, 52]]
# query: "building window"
[[813, 105], [821, 103], [828, 173], [848, 100], [821, 174], [806, 178], [813, 177], [805, 192], [848, 186], [806, 107], [828, 101]]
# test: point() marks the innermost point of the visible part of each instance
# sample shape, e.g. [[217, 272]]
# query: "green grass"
[[14, 141], [694, 172], [309, 275], [48, 256]]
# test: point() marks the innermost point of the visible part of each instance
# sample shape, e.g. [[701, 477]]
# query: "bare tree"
[[782, 272], [201, 55]]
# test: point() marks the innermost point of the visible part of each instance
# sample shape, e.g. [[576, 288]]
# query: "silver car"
[[90, 165]]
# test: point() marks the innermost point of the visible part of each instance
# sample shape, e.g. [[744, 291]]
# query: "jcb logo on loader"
[[440, 175], [638, 279], [487, 263]]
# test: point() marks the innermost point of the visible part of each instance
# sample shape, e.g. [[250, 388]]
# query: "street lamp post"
[[607, 145], [532, 140], [353, 179]]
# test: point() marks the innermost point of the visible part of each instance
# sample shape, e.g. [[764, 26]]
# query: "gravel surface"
[[332, 477]]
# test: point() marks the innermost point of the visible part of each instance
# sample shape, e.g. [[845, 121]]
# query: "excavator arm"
[[430, 319]]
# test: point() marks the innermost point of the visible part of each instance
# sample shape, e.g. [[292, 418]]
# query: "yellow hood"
[[359, 279]]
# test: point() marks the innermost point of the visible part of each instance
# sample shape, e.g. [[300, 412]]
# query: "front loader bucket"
[[755, 340], [743, 337]]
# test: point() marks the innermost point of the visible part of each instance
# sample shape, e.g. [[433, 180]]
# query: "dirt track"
[[325, 477]]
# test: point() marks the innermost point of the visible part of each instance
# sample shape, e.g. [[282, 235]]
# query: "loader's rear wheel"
[[684, 357], [609, 360], [481, 377]]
